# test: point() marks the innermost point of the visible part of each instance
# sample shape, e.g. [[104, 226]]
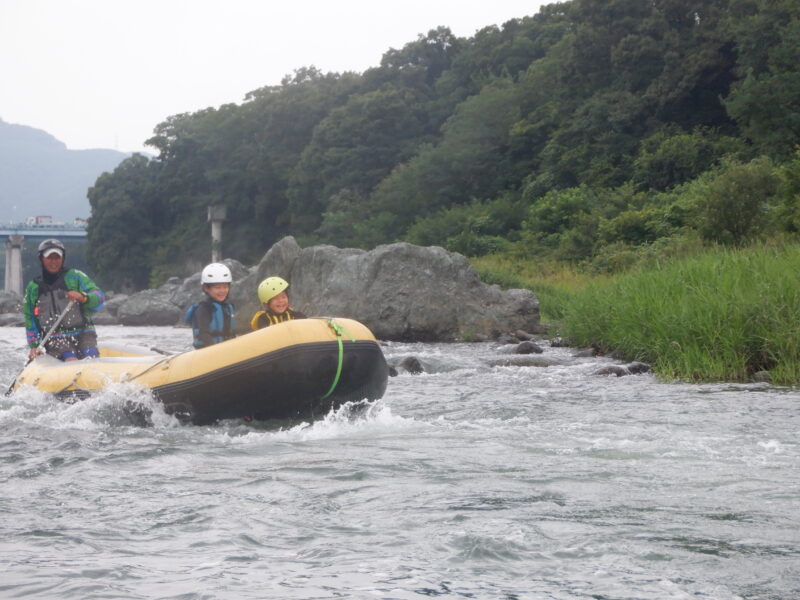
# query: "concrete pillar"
[[216, 215], [13, 281]]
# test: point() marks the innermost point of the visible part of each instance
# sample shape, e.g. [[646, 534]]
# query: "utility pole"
[[216, 215]]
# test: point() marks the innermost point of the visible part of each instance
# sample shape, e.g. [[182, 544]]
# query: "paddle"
[[42, 343]]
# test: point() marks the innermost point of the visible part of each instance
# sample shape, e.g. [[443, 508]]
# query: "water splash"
[[352, 419], [118, 405]]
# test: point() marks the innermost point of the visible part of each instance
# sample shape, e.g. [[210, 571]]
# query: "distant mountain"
[[40, 176]]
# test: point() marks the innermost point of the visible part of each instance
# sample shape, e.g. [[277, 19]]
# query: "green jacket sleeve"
[[80, 282], [32, 329]]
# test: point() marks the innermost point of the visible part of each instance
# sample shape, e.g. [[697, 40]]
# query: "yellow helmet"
[[271, 287]]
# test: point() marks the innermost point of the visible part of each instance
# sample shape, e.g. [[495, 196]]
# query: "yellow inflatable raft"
[[298, 369]]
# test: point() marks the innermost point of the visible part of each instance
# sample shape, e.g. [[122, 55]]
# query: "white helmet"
[[216, 273]]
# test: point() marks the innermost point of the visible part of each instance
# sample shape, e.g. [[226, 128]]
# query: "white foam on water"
[[773, 446], [25, 405], [353, 419], [119, 404], [361, 419], [112, 408]]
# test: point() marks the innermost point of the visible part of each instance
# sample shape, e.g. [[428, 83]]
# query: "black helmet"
[[51, 244]]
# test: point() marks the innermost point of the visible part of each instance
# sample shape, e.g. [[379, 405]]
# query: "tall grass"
[[554, 283], [720, 316]]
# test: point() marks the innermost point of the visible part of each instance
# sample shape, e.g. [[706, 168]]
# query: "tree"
[[418, 64], [354, 148], [122, 226], [670, 157], [471, 162], [765, 102], [733, 202]]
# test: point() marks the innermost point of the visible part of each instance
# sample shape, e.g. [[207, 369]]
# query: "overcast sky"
[[104, 73]]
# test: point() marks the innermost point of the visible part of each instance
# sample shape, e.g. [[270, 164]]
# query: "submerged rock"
[[585, 353], [408, 364], [633, 368], [617, 370], [527, 348], [523, 361], [762, 377]]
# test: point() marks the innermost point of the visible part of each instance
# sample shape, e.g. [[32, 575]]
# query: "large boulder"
[[400, 291], [150, 307], [108, 314]]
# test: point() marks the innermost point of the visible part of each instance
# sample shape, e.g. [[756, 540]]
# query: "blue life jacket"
[[212, 322]]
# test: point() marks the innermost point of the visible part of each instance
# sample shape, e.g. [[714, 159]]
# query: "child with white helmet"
[[275, 302], [212, 319]]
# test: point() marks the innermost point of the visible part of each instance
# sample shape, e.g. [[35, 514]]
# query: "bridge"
[[35, 230]]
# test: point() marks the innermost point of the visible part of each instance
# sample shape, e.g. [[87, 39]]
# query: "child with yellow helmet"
[[275, 302]]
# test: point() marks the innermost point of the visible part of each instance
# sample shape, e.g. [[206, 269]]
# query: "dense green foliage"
[[595, 132], [720, 316]]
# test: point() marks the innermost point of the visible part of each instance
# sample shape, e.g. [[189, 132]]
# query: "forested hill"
[[40, 176], [585, 132]]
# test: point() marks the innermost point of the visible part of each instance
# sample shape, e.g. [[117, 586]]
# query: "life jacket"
[[265, 318], [51, 303], [220, 327]]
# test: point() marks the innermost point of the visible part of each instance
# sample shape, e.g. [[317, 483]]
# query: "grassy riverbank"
[[721, 315], [554, 283]]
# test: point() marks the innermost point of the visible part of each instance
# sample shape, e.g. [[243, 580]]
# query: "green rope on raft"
[[339, 330]]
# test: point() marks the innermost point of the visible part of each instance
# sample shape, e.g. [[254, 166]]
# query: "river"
[[467, 481]]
